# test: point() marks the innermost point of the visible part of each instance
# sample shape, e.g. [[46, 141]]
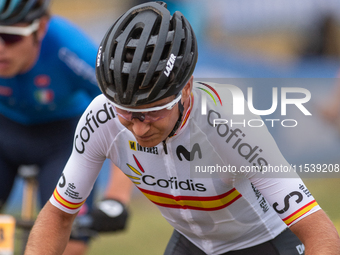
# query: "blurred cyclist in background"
[[331, 111], [47, 79]]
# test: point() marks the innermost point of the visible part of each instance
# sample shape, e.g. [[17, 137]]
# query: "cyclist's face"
[[152, 133], [149, 134], [19, 57]]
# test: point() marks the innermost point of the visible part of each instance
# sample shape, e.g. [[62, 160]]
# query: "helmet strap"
[[179, 120]]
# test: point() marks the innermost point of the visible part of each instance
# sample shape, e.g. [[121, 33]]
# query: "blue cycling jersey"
[[60, 85]]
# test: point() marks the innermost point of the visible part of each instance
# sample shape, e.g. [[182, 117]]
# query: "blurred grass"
[[326, 191], [148, 232]]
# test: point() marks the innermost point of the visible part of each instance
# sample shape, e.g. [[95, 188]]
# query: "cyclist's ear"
[[43, 25], [186, 91]]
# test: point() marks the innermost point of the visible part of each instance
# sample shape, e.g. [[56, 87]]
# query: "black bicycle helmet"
[[146, 55], [16, 11]]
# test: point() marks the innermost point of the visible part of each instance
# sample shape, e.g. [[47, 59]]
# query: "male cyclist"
[[147, 121], [47, 79]]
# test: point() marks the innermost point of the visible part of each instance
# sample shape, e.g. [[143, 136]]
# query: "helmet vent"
[[136, 33], [6, 5], [152, 82], [157, 26], [126, 23], [139, 79], [148, 54], [129, 55], [166, 51], [171, 26], [182, 48], [124, 78]]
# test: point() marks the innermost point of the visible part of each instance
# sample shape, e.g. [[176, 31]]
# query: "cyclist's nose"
[[140, 128]]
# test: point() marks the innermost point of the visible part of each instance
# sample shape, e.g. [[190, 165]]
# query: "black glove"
[[109, 215]]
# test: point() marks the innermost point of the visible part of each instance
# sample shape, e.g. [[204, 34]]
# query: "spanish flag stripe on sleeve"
[[65, 203], [291, 218]]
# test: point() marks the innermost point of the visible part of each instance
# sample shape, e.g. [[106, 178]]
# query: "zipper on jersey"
[[164, 147]]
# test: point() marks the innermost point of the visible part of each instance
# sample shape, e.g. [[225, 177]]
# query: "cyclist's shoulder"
[[98, 127], [67, 46], [222, 103], [214, 119], [59, 26], [62, 33], [101, 111], [210, 102], [98, 101]]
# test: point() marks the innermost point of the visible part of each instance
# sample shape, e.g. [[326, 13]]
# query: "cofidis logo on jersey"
[[202, 203], [300, 97], [92, 122], [140, 176]]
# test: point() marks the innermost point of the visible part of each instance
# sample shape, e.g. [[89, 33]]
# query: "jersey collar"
[[186, 116]]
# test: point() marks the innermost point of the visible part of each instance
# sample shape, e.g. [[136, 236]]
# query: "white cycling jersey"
[[228, 210]]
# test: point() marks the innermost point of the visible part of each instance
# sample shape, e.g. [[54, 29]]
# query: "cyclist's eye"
[[153, 113]]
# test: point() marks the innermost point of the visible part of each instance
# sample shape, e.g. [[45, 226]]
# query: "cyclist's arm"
[[119, 186], [51, 232], [111, 214], [318, 234]]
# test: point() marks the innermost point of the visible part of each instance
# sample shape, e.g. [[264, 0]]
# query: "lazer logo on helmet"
[[93, 121], [170, 65]]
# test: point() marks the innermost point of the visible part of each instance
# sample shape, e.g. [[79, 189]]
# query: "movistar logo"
[[190, 156], [140, 177]]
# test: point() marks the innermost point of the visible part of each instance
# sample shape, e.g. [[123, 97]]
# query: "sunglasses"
[[11, 34], [147, 115]]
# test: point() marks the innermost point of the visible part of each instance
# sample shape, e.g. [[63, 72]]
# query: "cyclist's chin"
[[148, 141]]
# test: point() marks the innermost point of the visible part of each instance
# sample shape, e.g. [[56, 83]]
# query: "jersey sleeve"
[[244, 142], [290, 198], [90, 148], [275, 178], [278, 180]]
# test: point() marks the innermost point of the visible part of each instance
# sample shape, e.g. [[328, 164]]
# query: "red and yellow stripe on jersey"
[[186, 117], [303, 210], [65, 203], [190, 202]]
